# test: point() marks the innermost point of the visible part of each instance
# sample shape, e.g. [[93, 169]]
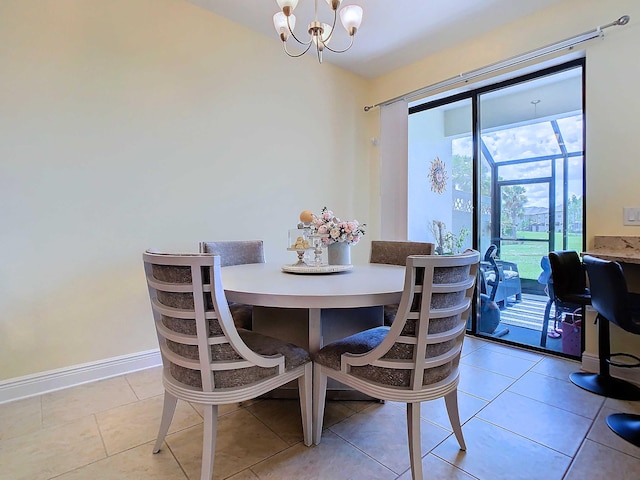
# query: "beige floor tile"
[[146, 383], [543, 423], [558, 393], [514, 352], [625, 406], [51, 451], [20, 417], [135, 464], [281, 416], [244, 475], [595, 461], [222, 409], [471, 344], [497, 454], [501, 363], [136, 423], [70, 404], [242, 441], [381, 432], [482, 383], [555, 367], [601, 433], [435, 411], [336, 411], [333, 459], [435, 468], [359, 405]]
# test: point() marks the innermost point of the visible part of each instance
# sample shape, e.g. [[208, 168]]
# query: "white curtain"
[[394, 146]]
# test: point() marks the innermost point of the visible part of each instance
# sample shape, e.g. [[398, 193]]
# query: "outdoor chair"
[[237, 252], [206, 359], [416, 358], [506, 280]]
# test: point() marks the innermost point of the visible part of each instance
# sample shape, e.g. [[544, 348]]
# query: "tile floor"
[[522, 419]]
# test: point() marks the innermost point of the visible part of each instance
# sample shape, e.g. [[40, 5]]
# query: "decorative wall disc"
[[438, 175]]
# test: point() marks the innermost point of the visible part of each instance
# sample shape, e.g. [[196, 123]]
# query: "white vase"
[[339, 253]]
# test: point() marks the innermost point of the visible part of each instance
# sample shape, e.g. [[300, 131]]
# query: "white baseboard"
[[591, 363], [49, 381]]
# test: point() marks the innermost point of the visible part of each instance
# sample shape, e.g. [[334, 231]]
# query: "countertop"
[[616, 248]]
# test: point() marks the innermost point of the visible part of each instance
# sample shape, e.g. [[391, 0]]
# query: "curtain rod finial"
[[623, 20]]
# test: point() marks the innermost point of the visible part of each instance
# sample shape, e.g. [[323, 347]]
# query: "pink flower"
[[336, 230]]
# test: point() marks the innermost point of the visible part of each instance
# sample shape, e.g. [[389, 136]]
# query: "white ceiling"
[[393, 33]]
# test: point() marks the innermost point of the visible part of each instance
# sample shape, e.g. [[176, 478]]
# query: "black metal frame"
[[479, 148]]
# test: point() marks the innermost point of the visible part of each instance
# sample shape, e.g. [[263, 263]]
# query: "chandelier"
[[319, 33]]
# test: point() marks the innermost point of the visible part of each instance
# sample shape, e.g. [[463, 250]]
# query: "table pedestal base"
[[311, 328]]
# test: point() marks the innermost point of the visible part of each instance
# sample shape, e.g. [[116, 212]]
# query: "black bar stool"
[[614, 304]]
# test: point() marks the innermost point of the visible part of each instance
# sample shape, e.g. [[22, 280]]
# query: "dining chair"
[[416, 358], [395, 253], [206, 359], [614, 304], [237, 252]]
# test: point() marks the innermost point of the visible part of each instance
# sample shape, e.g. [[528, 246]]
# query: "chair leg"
[[415, 444], [319, 397], [304, 389], [168, 410], [545, 323], [451, 401], [209, 441]]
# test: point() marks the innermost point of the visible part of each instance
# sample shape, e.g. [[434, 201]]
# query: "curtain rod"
[[569, 43]]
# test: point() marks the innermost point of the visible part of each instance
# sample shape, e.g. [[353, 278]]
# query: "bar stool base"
[[606, 385]]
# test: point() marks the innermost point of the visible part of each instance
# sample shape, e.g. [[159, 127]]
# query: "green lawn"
[[527, 255]]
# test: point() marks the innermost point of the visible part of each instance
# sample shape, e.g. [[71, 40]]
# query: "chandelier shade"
[[319, 33]]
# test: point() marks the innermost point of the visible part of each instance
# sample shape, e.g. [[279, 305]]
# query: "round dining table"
[[314, 309]]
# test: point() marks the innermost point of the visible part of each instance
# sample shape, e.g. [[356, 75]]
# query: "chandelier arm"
[[298, 54], [296, 38], [340, 51], [333, 28]]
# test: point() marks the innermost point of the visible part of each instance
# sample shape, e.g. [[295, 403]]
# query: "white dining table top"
[[265, 284]]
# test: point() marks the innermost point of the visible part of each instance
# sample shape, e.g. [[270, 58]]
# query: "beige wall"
[[612, 103], [127, 124]]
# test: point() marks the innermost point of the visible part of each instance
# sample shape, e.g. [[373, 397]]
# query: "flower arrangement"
[[348, 232]]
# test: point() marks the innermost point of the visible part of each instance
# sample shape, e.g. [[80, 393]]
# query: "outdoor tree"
[[462, 175], [574, 212], [514, 198]]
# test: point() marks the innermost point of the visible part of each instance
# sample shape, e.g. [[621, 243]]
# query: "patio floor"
[[524, 322]]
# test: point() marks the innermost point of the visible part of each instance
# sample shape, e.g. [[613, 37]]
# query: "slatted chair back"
[[417, 358], [421, 352], [198, 339], [206, 359]]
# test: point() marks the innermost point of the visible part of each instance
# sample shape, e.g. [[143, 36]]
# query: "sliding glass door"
[[501, 169]]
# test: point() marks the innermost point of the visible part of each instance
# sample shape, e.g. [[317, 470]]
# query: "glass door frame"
[[474, 96]]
